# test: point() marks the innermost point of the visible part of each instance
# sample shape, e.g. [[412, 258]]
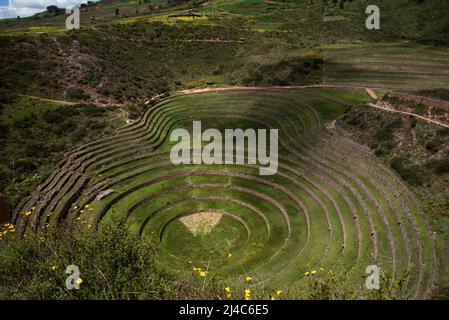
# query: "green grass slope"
[[388, 66]]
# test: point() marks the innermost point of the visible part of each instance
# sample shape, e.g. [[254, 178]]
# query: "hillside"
[[233, 42], [362, 117]]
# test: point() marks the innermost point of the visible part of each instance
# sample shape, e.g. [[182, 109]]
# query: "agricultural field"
[[388, 66], [332, 206], [89, 119]]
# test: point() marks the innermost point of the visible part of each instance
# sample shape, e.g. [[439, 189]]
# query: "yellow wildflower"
[[228, 289], [54, 267], [229, 255], [79, 281], [202, 274], [248, 278], [279, 292], [313, 272], [307, 273]]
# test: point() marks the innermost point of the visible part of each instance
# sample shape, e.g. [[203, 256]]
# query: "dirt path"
[[408, 114], [67, 103], [70, 103], [273, 88], [372, 94]]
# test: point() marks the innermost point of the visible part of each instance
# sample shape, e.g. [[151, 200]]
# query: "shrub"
[[3, 130], [91, 110], [382, 134], [25, 165], [420, 108], [414, 174], [53, 116], [114, 264], [439, 166], [444, 132], [6, 97], [354, 122], [135, 110], [396, 163], [434, 144], [78, 94]]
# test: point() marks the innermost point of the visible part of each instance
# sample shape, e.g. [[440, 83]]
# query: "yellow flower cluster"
[[83, 221], [228, 292], [200, 272], [247, 294], [310, 273], [278, 293], [314, 272], [29, 212], [88, 225], [8, 228], [86, 207]]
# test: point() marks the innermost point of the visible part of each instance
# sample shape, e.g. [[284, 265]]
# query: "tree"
[[55, 9], [52, 8]]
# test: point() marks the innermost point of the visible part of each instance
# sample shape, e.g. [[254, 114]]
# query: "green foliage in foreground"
[[115, 264]]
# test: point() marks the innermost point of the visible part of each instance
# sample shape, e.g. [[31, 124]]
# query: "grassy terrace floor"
[[402, 65], [331, 205]]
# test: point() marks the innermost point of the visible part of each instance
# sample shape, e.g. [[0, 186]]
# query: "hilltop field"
[[363, 178]]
